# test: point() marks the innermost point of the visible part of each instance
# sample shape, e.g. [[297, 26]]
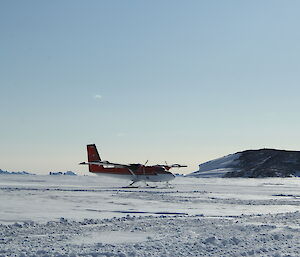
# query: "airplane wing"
[[176, 165], [106, 163]]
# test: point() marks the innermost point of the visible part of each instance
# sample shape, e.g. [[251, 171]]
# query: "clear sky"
[[176, 81]]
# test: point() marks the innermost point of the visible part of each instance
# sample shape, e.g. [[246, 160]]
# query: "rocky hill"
[[69, 173], [14, 172], [253, 164]]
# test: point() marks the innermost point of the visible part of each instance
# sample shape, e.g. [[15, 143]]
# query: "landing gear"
[[131, 185]]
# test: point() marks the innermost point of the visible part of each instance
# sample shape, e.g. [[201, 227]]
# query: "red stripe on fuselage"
[[149, 170]]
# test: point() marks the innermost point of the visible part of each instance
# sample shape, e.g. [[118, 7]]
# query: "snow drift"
[[218, 167]]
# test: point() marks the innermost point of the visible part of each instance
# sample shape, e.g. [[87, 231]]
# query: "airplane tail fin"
[[93, 156]]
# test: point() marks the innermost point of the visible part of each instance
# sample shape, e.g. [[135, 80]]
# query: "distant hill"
[[253, 164], [69, 173], [15, 172]]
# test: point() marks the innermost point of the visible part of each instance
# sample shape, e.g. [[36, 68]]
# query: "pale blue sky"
[[181, 81]]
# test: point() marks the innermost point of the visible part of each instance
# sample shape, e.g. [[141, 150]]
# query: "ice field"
[[95, 216]]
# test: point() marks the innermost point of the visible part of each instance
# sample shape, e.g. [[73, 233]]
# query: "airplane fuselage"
[[135, 173]]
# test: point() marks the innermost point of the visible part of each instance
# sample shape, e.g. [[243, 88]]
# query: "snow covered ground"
[[94, 216], [218, 167]]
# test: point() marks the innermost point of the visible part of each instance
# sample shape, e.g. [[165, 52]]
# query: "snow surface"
[[217, 168], [94, 216]]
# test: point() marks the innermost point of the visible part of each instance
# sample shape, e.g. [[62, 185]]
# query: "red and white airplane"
[[133, 172]]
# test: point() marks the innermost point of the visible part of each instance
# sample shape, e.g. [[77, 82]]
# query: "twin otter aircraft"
[[133, 172]]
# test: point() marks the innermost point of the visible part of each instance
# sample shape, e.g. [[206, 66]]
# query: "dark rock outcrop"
[[266, 163], [69, 173]]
